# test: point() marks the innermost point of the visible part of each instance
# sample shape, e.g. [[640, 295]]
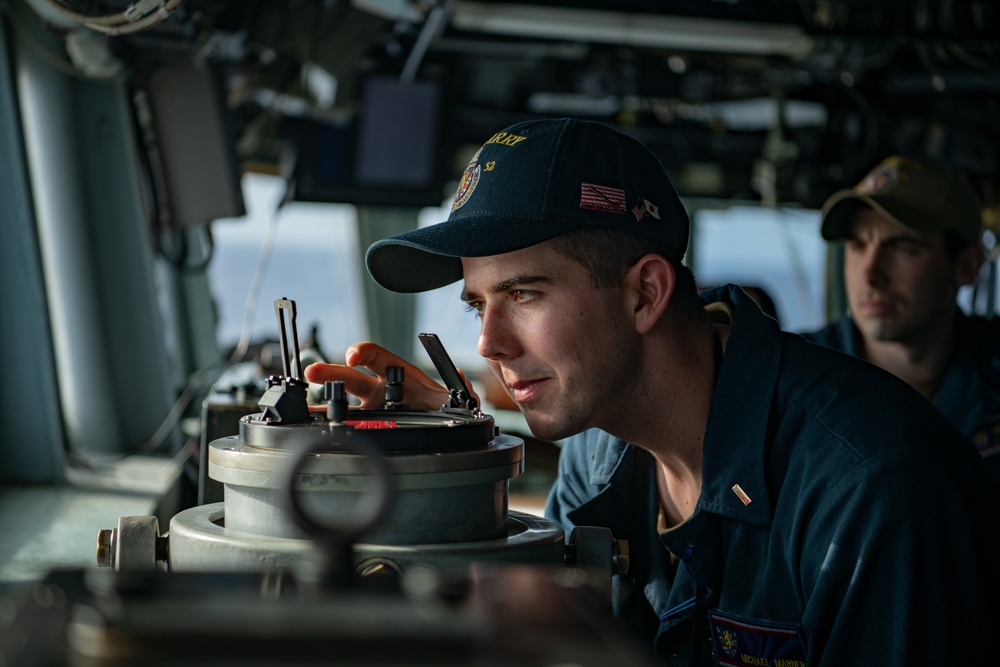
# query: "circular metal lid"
[[386, 431]]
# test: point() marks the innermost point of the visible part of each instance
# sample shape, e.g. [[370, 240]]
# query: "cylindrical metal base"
[[436, 497], [200, 541], [460, 514]]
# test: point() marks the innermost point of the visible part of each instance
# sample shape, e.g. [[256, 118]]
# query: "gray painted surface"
[[44, 527], [31, 445]]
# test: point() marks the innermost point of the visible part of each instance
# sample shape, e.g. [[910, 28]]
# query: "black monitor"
[[388, 153]]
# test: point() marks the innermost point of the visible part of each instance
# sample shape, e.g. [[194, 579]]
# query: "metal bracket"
[[459, 395]]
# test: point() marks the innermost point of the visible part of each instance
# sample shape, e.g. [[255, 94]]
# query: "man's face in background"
[[900, 284]]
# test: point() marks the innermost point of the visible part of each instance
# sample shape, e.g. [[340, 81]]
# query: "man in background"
[[912, 237]]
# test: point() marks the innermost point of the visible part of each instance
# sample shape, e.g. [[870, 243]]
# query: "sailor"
[[784, 503], [912, 233]]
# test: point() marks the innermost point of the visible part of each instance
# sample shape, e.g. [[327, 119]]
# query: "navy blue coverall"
[[969, 395], [842, 520]]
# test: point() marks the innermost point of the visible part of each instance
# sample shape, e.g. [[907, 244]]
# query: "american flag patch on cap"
[[602, 198]]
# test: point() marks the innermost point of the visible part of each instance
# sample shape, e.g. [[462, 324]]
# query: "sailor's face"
[[899, 282], [559, 345]]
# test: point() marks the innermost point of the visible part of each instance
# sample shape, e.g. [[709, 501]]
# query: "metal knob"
[[135, 545], [105, 547], [394, 385]]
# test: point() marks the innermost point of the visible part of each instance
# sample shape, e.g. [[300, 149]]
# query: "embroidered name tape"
[[743, 642]]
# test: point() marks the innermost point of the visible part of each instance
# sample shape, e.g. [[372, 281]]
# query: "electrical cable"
[[864, 157], [106, 466], [256, 285], [198, 380], [137, 16], [37, 45], [180, 261], [160, 215]]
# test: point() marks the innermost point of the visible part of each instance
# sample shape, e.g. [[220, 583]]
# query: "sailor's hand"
[[420, 392]]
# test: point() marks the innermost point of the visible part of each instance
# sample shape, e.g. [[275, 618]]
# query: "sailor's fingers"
[[356, 382], [419, 390]]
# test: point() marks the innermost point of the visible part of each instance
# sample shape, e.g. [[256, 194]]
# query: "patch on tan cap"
[[882, 177]]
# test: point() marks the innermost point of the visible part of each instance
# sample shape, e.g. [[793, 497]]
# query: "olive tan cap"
[[529, 183], [918, 194]]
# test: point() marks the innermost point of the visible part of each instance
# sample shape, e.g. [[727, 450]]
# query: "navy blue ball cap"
[[530, 183]]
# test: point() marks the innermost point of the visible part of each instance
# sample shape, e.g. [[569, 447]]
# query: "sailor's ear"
[[650, 285]]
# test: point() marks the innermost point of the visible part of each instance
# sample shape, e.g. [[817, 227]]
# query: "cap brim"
[[430, 257], [838, 209]]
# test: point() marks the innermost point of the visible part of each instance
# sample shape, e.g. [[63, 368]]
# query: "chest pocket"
[[751, 642]]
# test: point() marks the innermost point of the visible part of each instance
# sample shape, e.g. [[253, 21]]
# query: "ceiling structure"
[[778, 101]]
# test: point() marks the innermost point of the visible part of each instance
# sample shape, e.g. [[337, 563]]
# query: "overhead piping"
[[636, 29]]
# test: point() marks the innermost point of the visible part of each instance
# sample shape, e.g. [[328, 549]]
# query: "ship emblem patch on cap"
[[602, 198], [468, 183], [880, 178]]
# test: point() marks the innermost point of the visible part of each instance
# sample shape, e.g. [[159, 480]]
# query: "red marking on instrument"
[[372, 423]]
